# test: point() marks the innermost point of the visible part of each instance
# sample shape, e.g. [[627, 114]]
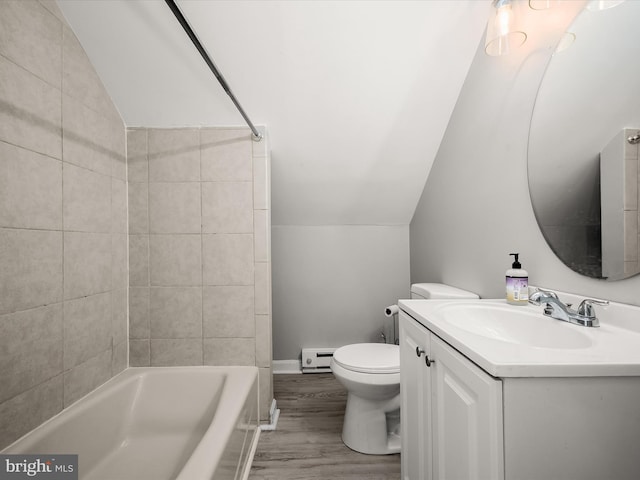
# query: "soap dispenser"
[[517, 283]]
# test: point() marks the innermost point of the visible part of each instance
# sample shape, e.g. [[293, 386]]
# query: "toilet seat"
[[372, 358]]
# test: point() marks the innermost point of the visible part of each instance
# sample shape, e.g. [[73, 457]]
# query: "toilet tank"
[[439, 291]]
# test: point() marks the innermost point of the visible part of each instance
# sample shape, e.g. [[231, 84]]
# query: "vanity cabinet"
[[451, 411], [461, 423]]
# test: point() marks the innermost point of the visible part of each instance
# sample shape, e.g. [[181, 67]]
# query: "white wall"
[[332, 283], [475, 208], [356, 94]]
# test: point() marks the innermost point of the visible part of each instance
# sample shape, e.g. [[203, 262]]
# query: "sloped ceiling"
[[356, 95]]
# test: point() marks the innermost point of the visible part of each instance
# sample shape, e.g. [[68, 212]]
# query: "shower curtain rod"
[[257, 136]]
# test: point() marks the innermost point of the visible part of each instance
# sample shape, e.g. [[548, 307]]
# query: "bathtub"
[[160, 423]]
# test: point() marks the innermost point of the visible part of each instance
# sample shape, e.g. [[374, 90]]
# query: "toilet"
[[371, 374]]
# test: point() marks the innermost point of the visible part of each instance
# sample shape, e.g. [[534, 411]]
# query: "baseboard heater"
[[317, 360]]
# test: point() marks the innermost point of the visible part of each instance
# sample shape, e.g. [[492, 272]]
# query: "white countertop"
[[613, 349]]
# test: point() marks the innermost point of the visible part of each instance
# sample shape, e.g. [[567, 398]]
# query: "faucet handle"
[[538, 297], [586, 307]]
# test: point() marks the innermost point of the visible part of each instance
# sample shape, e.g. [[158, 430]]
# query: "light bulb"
[[502, 33]]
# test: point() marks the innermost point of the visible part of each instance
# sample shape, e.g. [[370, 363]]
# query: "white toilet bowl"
[[371, 374]]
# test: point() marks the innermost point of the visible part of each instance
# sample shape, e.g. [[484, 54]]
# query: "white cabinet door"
[[416, 397], [467, 418]]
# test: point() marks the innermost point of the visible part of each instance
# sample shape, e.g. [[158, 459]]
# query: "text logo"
[[39, 467]]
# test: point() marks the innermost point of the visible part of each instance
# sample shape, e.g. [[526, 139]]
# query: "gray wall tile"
[[31, 273], [32, 349], [30, 111], [176, 352], [86, 200], [228, 259], [120, 358], [226, 155], [139, 260], [175, 260], [52, 6], [119, 323], [32, 37], [30, 189], [630, 236], [228, 311], [262, 235], [119, 148], [229, 351], [261, 183], [87, 140], [87, 264], [174, 207], [119, 265], [139, 353], [139, 327], [137, 161], [119, 221], [87, 328], [263, 288], [263, 340], [175, 312], [265, 393], [87, 376], [630, 189], [26, 411], [174, 155], [227, 207], [138, 207]]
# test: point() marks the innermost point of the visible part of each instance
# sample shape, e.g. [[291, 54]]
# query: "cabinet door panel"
[[467, 418], [415, 408]]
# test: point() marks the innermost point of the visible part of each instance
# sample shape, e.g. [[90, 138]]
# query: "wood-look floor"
[[307, 442]]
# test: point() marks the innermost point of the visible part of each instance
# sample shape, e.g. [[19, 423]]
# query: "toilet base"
[[372, 426]]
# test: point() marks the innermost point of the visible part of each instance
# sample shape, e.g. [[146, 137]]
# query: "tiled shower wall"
[[199, 252], [63, 221], [619, 165], [631, 204]]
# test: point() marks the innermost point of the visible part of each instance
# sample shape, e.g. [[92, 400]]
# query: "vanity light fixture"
[[503, 35], [598, 5]]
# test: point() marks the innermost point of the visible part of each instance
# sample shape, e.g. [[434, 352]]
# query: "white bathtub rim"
[[204, 459]]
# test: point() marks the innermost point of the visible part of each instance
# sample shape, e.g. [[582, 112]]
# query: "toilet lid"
[[369, 357]]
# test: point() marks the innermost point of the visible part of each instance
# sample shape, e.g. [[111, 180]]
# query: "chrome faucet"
[[554, 308]]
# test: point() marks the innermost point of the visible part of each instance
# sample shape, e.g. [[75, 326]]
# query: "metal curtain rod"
[[257, 136]]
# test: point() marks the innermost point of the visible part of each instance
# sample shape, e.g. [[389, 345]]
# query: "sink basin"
[[509, 341], [513, 324]]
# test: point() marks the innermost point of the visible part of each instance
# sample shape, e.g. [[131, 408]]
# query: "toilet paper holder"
[[392, 311]]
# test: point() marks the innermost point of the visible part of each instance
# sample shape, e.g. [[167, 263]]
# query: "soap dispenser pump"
[[517, 283]]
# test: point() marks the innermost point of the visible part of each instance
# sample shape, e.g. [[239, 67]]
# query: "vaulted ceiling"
[[355, 95]]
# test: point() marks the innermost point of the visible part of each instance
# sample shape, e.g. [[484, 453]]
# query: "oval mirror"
[[582, 169]]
